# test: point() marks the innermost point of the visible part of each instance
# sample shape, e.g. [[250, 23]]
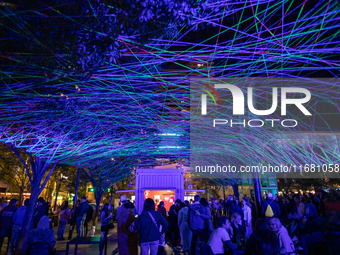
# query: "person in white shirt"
[[220, 237], [247, 216]]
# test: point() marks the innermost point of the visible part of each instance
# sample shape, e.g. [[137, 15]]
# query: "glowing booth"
[[159, 184]]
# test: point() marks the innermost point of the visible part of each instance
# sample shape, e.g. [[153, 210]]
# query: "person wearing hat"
[[120, 208], [274, 206], [6, 220], [127, 240], [40, 211], [123, 200]]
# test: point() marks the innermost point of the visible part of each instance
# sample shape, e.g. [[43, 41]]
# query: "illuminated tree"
[[106, 173], [13, 171]]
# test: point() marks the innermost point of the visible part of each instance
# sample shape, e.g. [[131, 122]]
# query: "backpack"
[[269, 211]]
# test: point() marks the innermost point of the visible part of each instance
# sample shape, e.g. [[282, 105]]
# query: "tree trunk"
[[98, 196], [235, 189], [258, 197], [56, 196], [39, 169], [21, 196], [28, 221], [75, 198]]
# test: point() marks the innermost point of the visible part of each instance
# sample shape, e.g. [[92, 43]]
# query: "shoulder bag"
[[162, 238]]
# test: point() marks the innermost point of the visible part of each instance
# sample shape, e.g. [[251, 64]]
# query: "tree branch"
[[47, 177], [22, 161]]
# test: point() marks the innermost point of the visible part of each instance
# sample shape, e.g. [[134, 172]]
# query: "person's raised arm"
[[205, 214]]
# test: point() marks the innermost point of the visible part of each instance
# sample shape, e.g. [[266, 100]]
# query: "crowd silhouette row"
[[278, 226]]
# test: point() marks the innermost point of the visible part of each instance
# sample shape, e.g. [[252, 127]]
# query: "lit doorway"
[[167, 196]]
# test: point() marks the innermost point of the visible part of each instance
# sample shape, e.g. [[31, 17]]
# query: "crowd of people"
[[215, 226], [12, 218], [225, 227], [11, 222]]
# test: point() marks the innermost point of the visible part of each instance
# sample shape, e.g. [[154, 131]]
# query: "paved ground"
[[90, 249], [94, 249]]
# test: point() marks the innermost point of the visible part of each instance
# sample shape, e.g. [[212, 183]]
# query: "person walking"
[[151, 226], [64, 215]]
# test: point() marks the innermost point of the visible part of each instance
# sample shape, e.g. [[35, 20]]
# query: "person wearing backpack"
[[270, 208], [197, 215]]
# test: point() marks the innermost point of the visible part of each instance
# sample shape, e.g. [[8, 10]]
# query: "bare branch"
[[47, 177], [22, 161]]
